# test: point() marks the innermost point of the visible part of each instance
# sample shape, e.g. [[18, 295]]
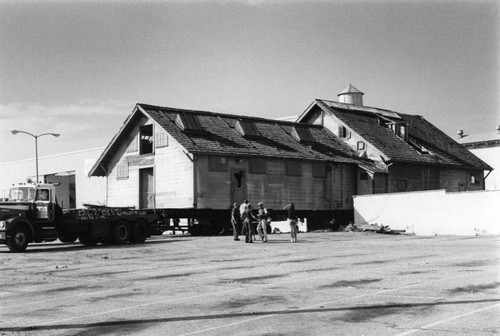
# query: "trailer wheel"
[[121, 232], [139, 232], [68, 238], [87, 240], [18, 240]]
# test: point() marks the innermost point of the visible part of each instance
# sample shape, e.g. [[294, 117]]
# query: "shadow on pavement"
[[359, 309]]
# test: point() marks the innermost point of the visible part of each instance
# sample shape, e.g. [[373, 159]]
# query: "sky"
[[79, 67]]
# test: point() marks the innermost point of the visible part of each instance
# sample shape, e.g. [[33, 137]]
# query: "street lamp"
[[36, 144]]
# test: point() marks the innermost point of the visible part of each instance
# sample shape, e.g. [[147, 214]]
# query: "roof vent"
[[302, 134], [351, 95], [498, 128], [247, 128], [188, 122]]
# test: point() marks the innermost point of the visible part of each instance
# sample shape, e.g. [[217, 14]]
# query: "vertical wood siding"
[[275, 189], [418, 177]]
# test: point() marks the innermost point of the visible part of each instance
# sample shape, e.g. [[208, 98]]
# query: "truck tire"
[[18, 240], [139, 232], [68, 238], [121, 232], [87, 240]]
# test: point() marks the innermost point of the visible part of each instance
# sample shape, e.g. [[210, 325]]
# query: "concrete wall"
[[432, 212]]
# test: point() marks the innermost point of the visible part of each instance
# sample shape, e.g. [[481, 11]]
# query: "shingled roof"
[[440, 149], [219, 135]]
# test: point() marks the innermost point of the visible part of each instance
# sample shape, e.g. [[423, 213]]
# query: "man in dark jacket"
[[236, 220], [247, 217]]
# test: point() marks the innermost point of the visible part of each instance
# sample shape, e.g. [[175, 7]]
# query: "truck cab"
[[30, 214]]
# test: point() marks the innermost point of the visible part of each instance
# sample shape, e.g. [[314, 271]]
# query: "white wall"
[[433, 212], [88, 190]]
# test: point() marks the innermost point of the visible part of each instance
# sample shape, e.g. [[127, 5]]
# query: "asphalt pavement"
[[328, 283]]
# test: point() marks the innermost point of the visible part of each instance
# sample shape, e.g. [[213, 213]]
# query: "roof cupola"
[[351, 95]]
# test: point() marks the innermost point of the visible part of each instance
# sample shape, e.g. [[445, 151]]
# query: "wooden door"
[[238, 185], [146, 188]]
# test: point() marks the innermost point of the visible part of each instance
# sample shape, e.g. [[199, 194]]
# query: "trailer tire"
[[68, 238], [121, 232], [19, 238], [139, 232], [87, 240]]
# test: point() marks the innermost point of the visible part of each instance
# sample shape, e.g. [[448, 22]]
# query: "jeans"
[[262, 229], [293, 229]]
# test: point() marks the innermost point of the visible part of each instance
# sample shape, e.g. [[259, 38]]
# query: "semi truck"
[[32, 214]]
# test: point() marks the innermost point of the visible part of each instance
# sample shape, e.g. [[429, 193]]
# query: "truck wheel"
[[87, 240], [18, 240], [139, 232], [121, 232], [68, 238]]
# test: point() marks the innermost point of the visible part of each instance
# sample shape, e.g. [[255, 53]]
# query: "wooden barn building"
[[410, 153], [173, 158]]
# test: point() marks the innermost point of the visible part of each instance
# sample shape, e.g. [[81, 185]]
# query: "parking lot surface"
[[327, 283]]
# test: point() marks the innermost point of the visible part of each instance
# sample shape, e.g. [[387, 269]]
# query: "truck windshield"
[[21, 194]]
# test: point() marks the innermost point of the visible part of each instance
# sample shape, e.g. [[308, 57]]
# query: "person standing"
[[262, 215], [292, 221], [236, 220], [243, 206], [247, 217]]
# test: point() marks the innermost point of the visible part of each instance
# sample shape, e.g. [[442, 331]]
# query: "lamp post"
[[36, 136]]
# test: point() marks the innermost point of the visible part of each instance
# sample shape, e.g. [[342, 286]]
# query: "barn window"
[[258, 166], [161, 139], [122, 170], [361, 145], [474, 178], [399, 128], [293, 168], [344, 132], [217, 163], [318, 169], [146, 139]]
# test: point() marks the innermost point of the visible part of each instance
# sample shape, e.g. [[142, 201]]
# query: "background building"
[[485, 146], [68, 170]]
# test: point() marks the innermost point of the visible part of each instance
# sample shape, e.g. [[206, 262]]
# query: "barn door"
[[146, 188], [238, 185]]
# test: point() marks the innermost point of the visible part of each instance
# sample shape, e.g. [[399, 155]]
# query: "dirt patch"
[[372, 262], [167, 276], [365, 313], [124, 294], [475, 288], [477, 263], [319, 269], [416, 272], [234, 304], [257, 279], [352, 283], [298, 260]]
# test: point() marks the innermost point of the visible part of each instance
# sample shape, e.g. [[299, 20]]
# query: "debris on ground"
[[351, 227], [377, 228]]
